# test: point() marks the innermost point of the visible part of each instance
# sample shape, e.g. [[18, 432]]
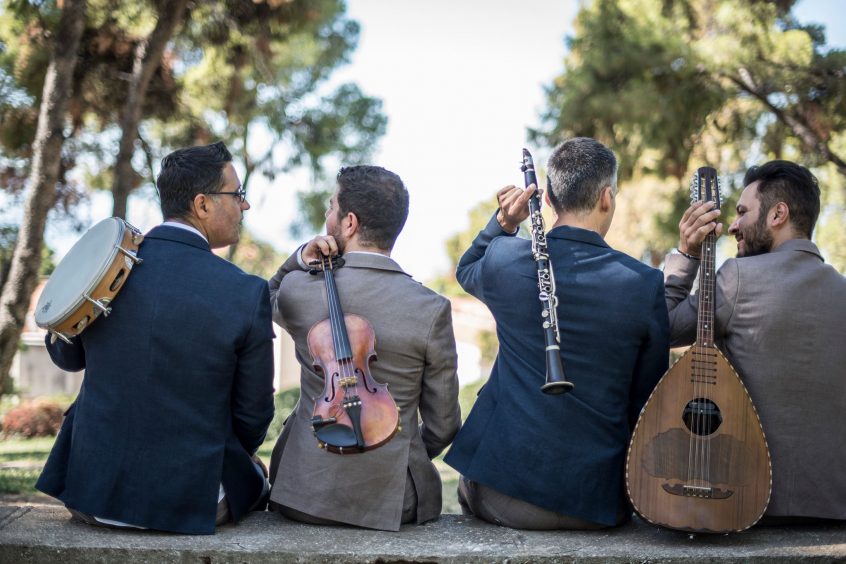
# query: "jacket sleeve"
[[252, 388], [683, 306], [439, 409], [469, 271], [679, 274], [294, 262], [68, 357], [654, 355]]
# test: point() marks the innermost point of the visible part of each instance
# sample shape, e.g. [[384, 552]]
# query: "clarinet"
[[556, 383]]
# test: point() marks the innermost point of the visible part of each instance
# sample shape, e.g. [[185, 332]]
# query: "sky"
[[460, 81]]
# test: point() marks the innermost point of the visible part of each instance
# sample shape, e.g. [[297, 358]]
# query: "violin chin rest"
[[337, 435]]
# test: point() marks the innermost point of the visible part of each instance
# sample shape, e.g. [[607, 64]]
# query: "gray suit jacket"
[[781, 321], [416, 357]]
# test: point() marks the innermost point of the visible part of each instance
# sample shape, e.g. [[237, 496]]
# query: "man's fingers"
[[523, 197]]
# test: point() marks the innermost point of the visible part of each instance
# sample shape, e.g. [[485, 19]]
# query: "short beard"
[[757, 239]]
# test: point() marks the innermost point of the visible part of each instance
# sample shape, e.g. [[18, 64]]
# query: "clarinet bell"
[[556, 383], [557, 388]]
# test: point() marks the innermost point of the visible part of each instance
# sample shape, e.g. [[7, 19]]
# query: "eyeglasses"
[[240, 194]]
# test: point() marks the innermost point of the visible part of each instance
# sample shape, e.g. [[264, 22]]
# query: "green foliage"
[[257, 257], [8, 238], [285, 403], [671, 85], [237, 71]]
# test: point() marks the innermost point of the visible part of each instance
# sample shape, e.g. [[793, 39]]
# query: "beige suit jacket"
[[781, 321], [416, 357]]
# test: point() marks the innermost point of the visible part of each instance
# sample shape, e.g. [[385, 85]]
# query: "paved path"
[[44, 534]]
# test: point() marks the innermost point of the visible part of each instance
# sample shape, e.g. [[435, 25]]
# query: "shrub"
[[39, 418], [285, 401]]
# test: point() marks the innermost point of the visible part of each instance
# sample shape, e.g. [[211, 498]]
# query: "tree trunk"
[[47, 149], [148, 57]]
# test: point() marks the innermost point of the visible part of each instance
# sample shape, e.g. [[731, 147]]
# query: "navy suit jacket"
[[563, 453], [177, 393]]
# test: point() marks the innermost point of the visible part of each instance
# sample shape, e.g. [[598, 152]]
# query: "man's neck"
[[588, 221], [354, 246], [782, 236], [188, 221]]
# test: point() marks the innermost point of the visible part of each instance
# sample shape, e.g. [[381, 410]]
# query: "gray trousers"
[[492, 506], [409, 508]]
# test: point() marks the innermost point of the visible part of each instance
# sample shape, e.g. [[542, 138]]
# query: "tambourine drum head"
[[79, 272]]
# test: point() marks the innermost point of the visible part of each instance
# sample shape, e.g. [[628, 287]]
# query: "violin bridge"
[[347, 381]]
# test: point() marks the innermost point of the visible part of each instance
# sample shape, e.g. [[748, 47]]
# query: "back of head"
[[188, 172], [793, 184], [577, 171], [379, 200]]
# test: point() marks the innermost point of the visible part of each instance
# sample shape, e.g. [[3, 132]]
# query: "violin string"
[[329, 280], [336, 321]]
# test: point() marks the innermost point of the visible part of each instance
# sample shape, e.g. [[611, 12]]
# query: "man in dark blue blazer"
[[535, 461], [178, 387]]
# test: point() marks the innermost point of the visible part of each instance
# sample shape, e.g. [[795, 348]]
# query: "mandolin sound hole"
[[702, 416]]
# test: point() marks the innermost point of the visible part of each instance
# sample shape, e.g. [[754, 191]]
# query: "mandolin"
[[698, 460]]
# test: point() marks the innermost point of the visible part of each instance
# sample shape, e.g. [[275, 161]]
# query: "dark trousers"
[[222, 517]]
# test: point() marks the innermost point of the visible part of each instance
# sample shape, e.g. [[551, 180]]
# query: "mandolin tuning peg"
[[321, 444]]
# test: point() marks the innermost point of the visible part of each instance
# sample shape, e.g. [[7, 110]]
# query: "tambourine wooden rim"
[[92, 299]]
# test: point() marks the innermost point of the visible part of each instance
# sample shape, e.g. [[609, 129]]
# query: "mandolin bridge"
[[702, 492]]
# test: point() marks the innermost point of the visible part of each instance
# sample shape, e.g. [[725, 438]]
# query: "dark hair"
[[577, 171], [793, 184], [379, 200], [188, 172]]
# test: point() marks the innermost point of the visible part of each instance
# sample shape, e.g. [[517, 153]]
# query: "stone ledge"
[[45, 534]]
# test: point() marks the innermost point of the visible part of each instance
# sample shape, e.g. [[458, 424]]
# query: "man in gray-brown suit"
[[415, 346], [780, 318]]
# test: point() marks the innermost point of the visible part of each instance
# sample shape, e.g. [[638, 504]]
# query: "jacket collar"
[[803, 245], [371, 260], [578, 234], [175, 234]]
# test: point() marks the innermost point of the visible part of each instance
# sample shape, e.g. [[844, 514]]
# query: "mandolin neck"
[[707, 277], [340, 337]]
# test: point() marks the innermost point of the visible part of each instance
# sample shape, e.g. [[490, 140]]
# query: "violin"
[[354, 413]]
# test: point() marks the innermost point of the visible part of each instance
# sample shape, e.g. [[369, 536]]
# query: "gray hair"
[[577, 171]]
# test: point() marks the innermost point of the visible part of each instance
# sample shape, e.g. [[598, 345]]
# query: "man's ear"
[[200, 206], [606, 199], [546, 198], [778, 215], [351, 224]]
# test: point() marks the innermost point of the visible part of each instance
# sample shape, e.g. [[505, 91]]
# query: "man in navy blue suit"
[[178, 387], [535, 461]]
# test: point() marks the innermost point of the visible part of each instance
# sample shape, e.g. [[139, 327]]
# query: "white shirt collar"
[[190, 228]]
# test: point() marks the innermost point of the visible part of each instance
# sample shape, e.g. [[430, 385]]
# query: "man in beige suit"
[[780, 319], [415, 346]]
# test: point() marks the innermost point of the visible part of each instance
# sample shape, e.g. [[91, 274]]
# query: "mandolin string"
[[708, 325], [694, 189]]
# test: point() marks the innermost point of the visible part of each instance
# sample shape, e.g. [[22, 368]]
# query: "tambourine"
[[89, 277]]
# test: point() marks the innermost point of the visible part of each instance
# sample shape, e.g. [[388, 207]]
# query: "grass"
[[21, 461]]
